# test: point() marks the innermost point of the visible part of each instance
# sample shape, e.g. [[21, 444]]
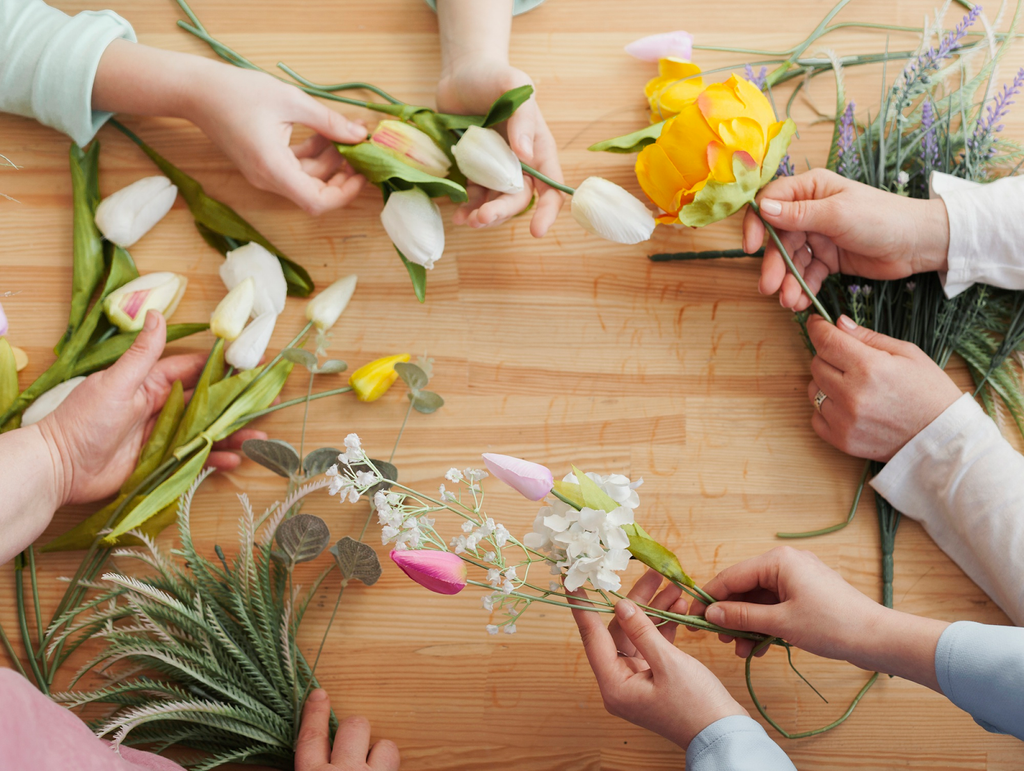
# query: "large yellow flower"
[[714, 155], [674, 88]]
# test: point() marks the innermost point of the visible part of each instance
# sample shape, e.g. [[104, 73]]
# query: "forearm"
[[899, 644], [474, 30], [31, 488]]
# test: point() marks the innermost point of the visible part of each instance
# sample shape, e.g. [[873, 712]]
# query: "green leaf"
[[386, 470], [655, 556], [426, 402], [506, 104], [258, 396], [102, 355], [155, 449], [776, 151], [274, 454], [436, 127], [418, 274], [299, 356], [331, 367], [220, 219], [318, 461], [197, 415], [571, 492], [356, 560], [411, 375], [718, 200], [630, 143], [382, 168], [593, 496], [8, 376], [302, 538]]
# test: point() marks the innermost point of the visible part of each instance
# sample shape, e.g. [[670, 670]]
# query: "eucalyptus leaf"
[[356, 560], [418, 274], [318, 461], [302, 538], [426, 402], [412, 375], [630, 143], [331, 367], [274, 454], [382, 168], [299, 356]]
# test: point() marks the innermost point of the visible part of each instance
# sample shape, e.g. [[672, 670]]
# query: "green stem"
[[849, 517], [290, 403], [330, 622], [546, 179], [305, 416], [400, 432], [10, 652], [19, 588], [35, 604], [711, 254], [339, 86]]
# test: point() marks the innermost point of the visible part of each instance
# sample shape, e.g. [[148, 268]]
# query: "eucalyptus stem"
[[400, 432], [305, 416], [330, 623], [290, 403], [849, 517]]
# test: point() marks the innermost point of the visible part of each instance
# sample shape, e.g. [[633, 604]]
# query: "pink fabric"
[[41, 735]]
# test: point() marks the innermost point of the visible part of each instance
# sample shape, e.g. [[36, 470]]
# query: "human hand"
[[351, 752], [881, 391], [94, 437], [643, 677], [831, 224]]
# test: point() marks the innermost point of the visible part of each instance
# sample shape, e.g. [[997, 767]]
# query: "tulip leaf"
[[426, 402], [437, 128], [257, 396], [104, 354], [302, 538], [776, 151], [506, 104], [197, 416], [571, 492], [319, 460], [718, 200], [418, 274], [412, 375], [356, 560], [331, 367], [382, 168], [630, 143], [214, 218], [655, 556], [8, 377], [299, 356], [593, 496], [274, 454]]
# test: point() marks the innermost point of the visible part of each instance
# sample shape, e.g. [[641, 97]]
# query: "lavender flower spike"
[[759, 79], [846, 151], [930, 139]]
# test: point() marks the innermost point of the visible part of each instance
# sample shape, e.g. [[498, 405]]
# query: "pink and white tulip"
[[439, 571], [531, 480]]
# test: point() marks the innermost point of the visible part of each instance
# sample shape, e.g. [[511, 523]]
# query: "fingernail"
[[625, 609], [714, 614], [318, 695], [847, 323], [151, 321], [768, 206]]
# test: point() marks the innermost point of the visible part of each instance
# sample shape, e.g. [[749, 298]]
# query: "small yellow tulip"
[[674, 88], [371, 381]]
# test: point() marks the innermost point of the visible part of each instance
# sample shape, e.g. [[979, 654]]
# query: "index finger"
[[597, 640]]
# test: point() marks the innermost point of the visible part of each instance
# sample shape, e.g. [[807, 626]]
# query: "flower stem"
[[305, 419], [711, 254], [11, 654], [19, 588], [400, 432], [290, 403], [849, 517], [330, 622], [789, 264], [546, 179], [338, 86]]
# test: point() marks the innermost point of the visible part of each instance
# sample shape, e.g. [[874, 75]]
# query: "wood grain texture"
[[568, 349]]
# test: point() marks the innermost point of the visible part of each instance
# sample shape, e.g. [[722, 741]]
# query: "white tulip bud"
[[252, 260], [233, 311], [411, 146], [324, 309], [248, 348], [484, 157], [127, 215], [127, 307], [605, 209], [50, 401], [414, 224]]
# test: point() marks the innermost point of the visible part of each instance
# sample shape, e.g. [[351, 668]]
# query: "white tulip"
[[127, 307], [50, 401], [414, 224], [484, 157], [233, 311], [411, 146], [248, 348], [252, 260], [605, 209], [324, 309], [127, 215]]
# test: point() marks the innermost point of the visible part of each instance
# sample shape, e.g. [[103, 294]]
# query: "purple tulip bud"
[[531, 480], [438, 571]]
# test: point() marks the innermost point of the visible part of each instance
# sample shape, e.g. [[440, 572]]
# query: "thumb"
[[874, 339], [642, 632], [747, 617], [808, 216], [326, 122], [128, 373]]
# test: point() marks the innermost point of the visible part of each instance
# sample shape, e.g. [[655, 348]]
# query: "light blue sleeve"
[[980, 668], [48, 62], [736, 743], [521, 6]]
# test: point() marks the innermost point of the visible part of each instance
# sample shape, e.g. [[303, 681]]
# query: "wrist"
[[899, 644], [55, 469], [930, 245], [717, 707]]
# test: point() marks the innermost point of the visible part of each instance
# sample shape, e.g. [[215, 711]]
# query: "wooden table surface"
[[565, 350]]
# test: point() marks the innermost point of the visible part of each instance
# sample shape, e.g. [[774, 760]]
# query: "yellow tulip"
[[673, 89], [714, 155], [371, 381]]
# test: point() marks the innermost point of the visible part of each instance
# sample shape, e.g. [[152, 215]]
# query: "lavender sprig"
[[990, 123], [848, 160], [951, 42], [930, 139], [759, 79]]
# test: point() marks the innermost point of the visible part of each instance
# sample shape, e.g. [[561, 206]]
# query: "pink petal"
[[439, 571], [3, 321], [678, 45], [531, 480]]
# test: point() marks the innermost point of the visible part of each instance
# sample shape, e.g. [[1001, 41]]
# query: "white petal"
[[50, 400], [485, 158], [324, 309], [606, 210], [252, 260], [413, 223], [248, 348], [228, 319], [127, 215]]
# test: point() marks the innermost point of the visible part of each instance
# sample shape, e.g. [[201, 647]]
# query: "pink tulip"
[[438, 571], [531, 480], [676, 45], [3, 321]]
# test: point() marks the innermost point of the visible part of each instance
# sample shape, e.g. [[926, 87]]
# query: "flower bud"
[[252, 260], [324, 309], [411, 146], [3, 321], [413, 223], [664, 45], [248, 348], [50, 401], [371, 381], [228, 320], [605, 209], [531, 480], [484, 157], [438, 571], [127, 307], [127, 215]]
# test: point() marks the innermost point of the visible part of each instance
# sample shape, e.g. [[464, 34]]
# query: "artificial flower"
[[127, 306], [20, 358], [371, 381], [601, 571], [531, 480], [618, 487], [438, 571], [413, 223], [605, 209], [50, 401], [713, 157], [127, 215], [485, 158], [324, 309], [229, 317], [677, 85], [3, 321], [253, 261], [411, 146], [248, 348], [664, 45]]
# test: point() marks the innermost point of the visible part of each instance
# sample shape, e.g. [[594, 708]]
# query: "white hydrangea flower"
[[601, 571], [615, 486], [353, 450], [454, 476]]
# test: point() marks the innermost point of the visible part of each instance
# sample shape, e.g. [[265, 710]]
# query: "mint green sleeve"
[[521, 6], [48, 63]]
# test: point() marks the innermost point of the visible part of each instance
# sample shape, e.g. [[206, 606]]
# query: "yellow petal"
[[685, 139], [720, 102], [744, 134], [20, 358], [674, 88], [720, 161], [658, 177], [671, 67], [758, 106]]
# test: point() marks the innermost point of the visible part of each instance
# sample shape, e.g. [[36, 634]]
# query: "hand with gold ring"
[[872, 394]]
